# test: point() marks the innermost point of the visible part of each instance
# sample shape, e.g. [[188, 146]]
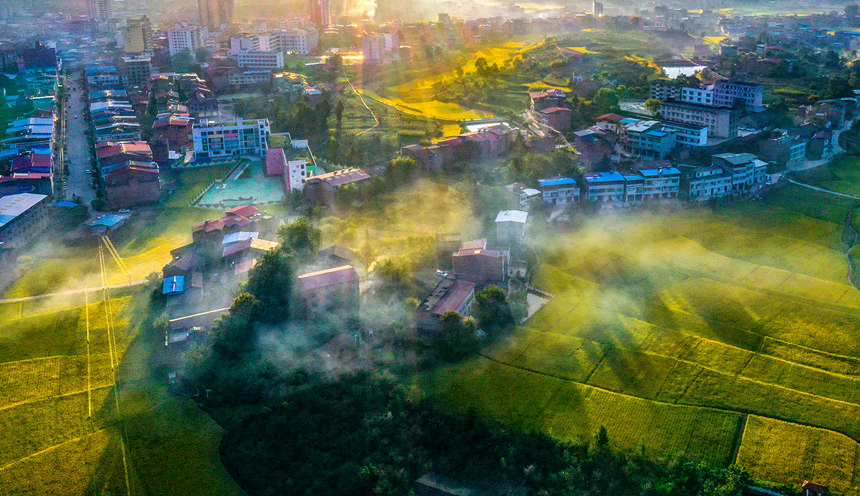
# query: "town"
[[581, 237]]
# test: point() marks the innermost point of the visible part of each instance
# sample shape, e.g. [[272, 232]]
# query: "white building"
[[373, 49], [727, 92], [511, 226], [99, 10], [559, 190], [228, 139], [261, 60], [242, 43], [701, 96], [185, 37], [300, 41], [704, 183]]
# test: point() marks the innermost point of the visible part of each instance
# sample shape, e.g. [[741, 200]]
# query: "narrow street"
[[78, 154]]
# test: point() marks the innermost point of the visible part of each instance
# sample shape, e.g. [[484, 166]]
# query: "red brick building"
[[330, 289]]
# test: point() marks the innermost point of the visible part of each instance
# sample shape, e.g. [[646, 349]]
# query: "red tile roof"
[[614, 118], [454, 298], [243, 211], [329, 277]]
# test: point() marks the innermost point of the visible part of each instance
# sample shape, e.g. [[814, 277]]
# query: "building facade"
[[229, 139], [215, 13], [559, 191], [185, 37], [721, 122], [22, 217]]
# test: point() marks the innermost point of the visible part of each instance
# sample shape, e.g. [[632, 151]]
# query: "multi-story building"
[[704, 183], [726, 93], [99, 10], [373, 48], [700, 96], [665, 90], [559, 190], [511, 226], [300, 41], [605, 187], [783, 149], [660, 183], [475, 263], [261, 60], [649, 140], [22, 217], [250, 78], [746, 170], [293, 172], [321, 13], [215, 13], [721, 122], [135, 70], [135, 36], [228, 139], [185, 37]]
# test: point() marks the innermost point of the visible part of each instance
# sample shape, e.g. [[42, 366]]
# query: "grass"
[[740, 310]]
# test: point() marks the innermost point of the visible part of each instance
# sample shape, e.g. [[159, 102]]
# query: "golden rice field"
[[690, 333]]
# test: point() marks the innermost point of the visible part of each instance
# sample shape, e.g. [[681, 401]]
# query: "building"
[[665, 90], [324, 187], [321, 13], [373, 48], [593, 147], [511, 226], [649, 140], [597, 9], [229, 139], [135, 36], [605, 187], [660, 183], [135, 70], [100, 10], [30, 133], [450, 295], [813, 489], [256, 59], [550, 98], [330, 289], [215, 13], [475, 263], [185, 37], [727, 93], [721, 122], [293, 172], [746, 169], [557, 118], [704, 183], [300, 41], [782, 149], [174, 131], [559, 191], [22, 217]]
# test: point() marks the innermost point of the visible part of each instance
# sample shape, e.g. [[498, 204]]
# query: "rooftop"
[[453, 297], [512, 216], [341, 177], [329, 277], [11, 206], [557, 181], [604, 177]]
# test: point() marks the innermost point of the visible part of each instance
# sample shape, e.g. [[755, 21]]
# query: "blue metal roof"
[[664, 171], [659, 134], [66, 204], [604, 177], [628, 120], [558, 181], [108, 220], [173, 285]]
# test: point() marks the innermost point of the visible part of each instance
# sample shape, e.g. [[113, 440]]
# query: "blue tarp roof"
[[604, 177], [173, 285], [108, 220], [659, 172], [558, 181], [239, 236], [66, 204]]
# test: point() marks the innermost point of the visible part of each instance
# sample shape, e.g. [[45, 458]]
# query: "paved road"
[[78, 153], [823, 190], [811, 164], [70, 292]]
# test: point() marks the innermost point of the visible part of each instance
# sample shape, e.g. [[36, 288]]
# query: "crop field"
[[59, 417], [696, 333]]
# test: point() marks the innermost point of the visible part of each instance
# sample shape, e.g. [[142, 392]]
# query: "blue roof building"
[[173, 286]]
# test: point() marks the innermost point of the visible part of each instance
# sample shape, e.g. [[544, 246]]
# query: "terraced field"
[[724, 336]]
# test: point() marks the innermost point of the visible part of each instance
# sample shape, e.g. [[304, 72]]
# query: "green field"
[[691, 333], [58, 408]]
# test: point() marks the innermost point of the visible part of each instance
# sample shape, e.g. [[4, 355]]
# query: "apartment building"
[[604, 187], [300, 41], [726, 93], [559, 190], [135, 35], [665, 90], [22, 217], [704, 183], [746, 170], [228, 139], [721, 122], [649, 140], [185, 37], [254, 59]]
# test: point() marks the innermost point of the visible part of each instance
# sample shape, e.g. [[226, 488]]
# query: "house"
[[250, 247], [559, 190], [511, 226], [812, 489], [552, 97], [606, 187], [451, 294], [782, 149], [330, 289], [746, 169], [245, 217], [323, 188], [173, 286], [557, 118], [609, 122], [704, 183], [131, 184], [593, 147], [436, 485], [475, 263], [175, 130], [821, 145]]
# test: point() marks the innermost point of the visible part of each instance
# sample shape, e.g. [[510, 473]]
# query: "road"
[[78, 154], [71, 292], [811, 164]]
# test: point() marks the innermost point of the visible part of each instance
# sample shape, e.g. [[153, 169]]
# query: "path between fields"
[[823, 190], [70, 292], [361, 98]]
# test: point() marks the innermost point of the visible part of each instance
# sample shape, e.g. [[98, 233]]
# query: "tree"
[[338, 114], [457, 337], [492, 310], [606, 100], [301, 236], [271, 282], [652, 105], [246, 305], [401, 170]]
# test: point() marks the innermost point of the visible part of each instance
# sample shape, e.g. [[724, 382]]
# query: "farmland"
[[700, 334], [60, 413]]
